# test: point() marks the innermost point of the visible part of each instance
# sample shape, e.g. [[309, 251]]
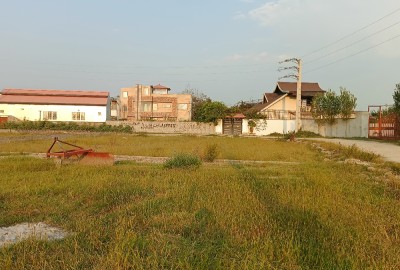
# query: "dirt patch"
[[17, 233]]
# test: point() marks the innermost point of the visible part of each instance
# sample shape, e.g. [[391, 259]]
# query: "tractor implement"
[[77, 154]]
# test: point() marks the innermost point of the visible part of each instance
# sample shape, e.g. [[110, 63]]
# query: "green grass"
[[126, 144], [310, 215], [183, 161], [345, 152]]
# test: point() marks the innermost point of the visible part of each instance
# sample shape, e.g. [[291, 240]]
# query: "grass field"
[[311, 214]]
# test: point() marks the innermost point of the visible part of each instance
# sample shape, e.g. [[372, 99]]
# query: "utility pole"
[[297, 76]]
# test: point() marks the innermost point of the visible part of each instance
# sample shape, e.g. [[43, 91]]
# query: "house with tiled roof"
[[54, 105], [281, 103], [154, 102]]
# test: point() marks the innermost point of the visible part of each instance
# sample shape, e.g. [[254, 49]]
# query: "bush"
[[210, 153], [46, 125], [183, 161]]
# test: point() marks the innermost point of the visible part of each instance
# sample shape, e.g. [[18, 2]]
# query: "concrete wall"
[[219, 127], [356, 127], [266, 127], [168, 127], [64, 112]]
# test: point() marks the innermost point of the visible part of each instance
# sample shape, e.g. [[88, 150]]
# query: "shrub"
[[210, 153], [290, 136], [183, 161], [46, 125]]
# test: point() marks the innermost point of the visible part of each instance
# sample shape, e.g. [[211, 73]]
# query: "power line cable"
[[354, 54], [349, 35], [351, 44]]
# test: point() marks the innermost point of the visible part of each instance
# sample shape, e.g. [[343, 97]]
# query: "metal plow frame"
[[78, 155]]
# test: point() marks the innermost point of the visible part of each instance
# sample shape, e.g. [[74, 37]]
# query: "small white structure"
[[54, 105]]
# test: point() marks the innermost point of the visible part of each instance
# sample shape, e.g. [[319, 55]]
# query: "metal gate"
[[382, 124], [232, 126], [3, 119]]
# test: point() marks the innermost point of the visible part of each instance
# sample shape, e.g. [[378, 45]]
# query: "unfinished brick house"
[[143, 102]]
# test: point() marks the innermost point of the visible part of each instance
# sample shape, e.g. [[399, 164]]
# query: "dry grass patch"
[[312, 215]]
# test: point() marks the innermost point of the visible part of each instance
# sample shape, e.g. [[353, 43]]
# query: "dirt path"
[[388, 151]]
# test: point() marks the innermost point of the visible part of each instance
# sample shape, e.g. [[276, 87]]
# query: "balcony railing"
[[286, 115]]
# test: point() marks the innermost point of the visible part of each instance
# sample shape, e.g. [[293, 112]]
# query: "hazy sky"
[[227, 49]]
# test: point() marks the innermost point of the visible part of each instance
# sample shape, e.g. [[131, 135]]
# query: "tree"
[[198, 99], [396, 99], [211, 111], [348, 103], [247, 108], [327, 107]]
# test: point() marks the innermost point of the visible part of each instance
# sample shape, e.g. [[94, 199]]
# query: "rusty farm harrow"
[[70, 153]]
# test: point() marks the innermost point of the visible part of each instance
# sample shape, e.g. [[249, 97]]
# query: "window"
[[47, 115], [145, 91], [125, 94], [155, 107], [160, 92], [167, 105], [146, 106], [78, 116], [182, 106]]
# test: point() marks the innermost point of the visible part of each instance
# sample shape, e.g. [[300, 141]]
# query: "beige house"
[[143, 102], [281, 103]]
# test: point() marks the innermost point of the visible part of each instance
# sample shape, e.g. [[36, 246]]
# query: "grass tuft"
[[210, 153], [183, 160]]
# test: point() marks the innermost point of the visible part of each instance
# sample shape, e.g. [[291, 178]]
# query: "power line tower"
[[297, 76]]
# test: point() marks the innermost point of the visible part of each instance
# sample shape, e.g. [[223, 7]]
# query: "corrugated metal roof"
[[56, 97]]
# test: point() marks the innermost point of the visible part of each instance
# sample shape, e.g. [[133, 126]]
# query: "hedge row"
[[45, 125]]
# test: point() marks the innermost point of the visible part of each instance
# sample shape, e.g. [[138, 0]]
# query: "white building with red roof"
[[54, 105]]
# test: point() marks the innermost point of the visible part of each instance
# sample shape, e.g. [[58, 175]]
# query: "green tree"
[[198, 99], [211, 111], [247, 108], [396, 99], [348, 103], [327, 107]]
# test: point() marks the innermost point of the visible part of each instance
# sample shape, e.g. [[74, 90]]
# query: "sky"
[[227, 49]]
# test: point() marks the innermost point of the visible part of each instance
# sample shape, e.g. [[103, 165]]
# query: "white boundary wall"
[[266, 127], [355, 127]]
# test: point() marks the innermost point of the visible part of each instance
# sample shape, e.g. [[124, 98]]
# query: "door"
[[232, 126]]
